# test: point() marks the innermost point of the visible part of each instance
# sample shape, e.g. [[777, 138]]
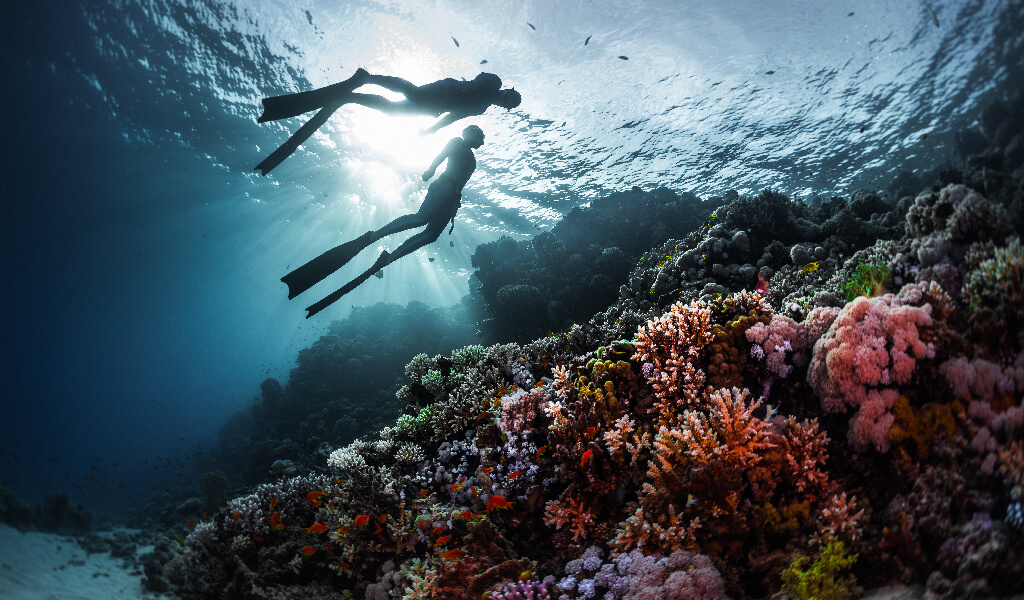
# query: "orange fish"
[[541, 450], [308, 550], [382, 518], [590, 432], [498, 502], [181, 539], [191, 523], [362, 520], [316, 528], [424, 493], [586, 456], [343, 530], [462, 480], [275, 521], [514, 474], [377, 530], [453, 487], [472, 490], [467, 515], [441, 540], [273, 502], [437, 531], [762, 285], [452, 554], [314, 497], [257, 538], [235, 517]]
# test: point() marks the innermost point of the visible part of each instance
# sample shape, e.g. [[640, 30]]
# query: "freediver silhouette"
[[451, 98], [438, 209]]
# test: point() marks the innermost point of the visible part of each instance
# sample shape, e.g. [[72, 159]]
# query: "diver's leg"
[[395, 84], [293, 105], [319, 268], [401, 224], [400, 107], [427, 236]]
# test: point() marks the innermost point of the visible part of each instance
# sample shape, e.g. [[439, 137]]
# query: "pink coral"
[[874, 343]]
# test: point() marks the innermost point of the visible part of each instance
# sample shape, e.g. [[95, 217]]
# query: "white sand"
[[37, 566]]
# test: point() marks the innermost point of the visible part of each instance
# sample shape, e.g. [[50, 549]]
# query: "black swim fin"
[[382, 262], [297, 138], [316, 270], [293, 105]]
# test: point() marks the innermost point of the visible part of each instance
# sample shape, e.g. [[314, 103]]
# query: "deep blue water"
[[142, 256]]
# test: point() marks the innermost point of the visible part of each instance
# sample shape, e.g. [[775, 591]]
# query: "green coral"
[[468, 356], [821, 580], [996, 278], [869, 279]]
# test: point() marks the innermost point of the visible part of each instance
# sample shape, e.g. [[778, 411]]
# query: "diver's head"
[[509, 99], [489, 80], [474, 136]]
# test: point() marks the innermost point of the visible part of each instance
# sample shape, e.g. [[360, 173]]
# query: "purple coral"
[[524, 590]]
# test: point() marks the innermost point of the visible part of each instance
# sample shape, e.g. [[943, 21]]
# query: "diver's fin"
[[316, 270], [293, 105], [297, 138], [382, 262]]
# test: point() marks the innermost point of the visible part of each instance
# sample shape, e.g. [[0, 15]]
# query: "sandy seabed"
[[47, 566]]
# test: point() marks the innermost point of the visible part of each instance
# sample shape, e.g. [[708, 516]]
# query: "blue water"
[[142, 255]]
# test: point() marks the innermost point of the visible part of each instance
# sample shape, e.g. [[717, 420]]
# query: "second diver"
[[438, 209]]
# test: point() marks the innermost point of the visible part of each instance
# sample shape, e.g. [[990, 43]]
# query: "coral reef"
[[789, 400]]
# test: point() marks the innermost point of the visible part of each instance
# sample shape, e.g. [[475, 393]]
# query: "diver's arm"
[[444, 121], [440, 159]]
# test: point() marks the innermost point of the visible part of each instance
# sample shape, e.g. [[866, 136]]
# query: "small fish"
[[442, 540], [452, 554], [191, 523], [590, 432], [810, 267], [489, 470], [308, 550], [769, 72], [362, 520], [514, 474], [454, 487], [935, 18], [772, 411], [531, 26], [452, 244], [316, 528], [483, 62], [863, 128], [437, 531], [275, 521], [273, 502], [379, 274], [498, 502], [587, 41], [424, 493], [762, 286], [924, 136], [456, 41], [181, 540], [690, 500], [235, 517], [467, 515], [314, 497], [541, 450], [382, 518], [472, 490], [624, 57], [256, 538], [586, 456]]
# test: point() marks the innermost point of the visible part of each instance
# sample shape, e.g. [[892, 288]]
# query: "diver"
[[451, 98], [438, 209]]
